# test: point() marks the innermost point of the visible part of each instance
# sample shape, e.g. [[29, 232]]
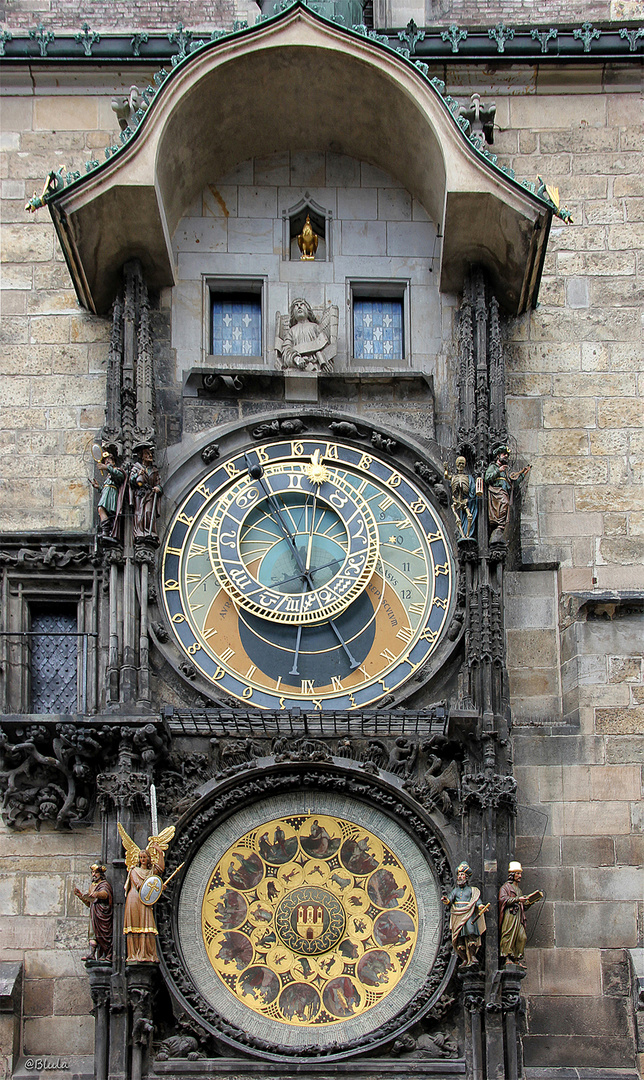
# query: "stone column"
[[512, 1004], [473, 1001], [100, 975], [141, 983]]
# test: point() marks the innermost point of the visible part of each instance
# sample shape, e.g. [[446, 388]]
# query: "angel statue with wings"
[[143, 887], [306, 340]]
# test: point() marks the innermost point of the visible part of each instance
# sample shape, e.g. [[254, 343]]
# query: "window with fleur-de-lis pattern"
[[236, 325], [377, 329]]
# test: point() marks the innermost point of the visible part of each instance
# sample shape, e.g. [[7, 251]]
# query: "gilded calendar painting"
[[310, 920]]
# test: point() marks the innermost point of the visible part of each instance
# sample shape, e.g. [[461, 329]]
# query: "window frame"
[[228, 286], [379, 289]]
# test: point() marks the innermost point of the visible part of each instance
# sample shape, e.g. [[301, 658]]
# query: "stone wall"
[[45, 926], [575, 409], [162, 15]]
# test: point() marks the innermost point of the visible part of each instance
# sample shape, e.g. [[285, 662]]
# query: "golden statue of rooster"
[[307, 240]]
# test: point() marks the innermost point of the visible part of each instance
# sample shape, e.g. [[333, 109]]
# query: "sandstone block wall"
[[45, 926]]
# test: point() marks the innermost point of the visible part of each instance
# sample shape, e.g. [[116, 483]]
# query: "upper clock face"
[[307, 573]]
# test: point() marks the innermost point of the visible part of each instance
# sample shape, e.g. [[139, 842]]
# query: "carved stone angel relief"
[[306, 338]]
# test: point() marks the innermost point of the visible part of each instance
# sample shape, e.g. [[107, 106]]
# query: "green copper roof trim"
[[59, 180]]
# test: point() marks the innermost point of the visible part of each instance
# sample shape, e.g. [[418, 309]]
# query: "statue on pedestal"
[[512, 918], [464, 508], [98, 899], [306, 340], [145, 487], [501, 485], [111, 489], [143, 888], [466, 916]]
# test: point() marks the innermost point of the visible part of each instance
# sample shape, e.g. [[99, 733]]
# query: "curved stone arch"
[[326, 89]]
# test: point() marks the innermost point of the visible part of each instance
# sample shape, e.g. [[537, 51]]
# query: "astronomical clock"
[[307, 573]]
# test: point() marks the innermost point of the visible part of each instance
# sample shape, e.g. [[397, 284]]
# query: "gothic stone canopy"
[[322, 88]]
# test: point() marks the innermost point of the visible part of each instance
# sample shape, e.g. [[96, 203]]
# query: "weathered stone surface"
[[596, 925], [588, 850], [626, 721]]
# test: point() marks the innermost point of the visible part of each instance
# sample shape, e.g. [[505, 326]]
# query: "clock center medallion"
[[310, 920]]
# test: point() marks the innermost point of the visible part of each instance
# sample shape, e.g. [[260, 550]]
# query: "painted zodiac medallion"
[[310, 920]]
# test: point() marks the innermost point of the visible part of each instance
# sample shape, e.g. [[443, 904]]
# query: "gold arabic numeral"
[[178, 618], [441, 568], [386, 503], [226, 655], [307, 686], [219, 674], [247, 692], [194, 648], [338, 500], [172, 550], [387, 655], [431, 537], [261, 454], [184, 519], [331, 451], [336, 683], [281, 703], [231, 469], [297, 448], [203, 490], [383, 684], [353, 701], [440, 601], [405, 634], [317, 703], [419, 506], [365, 462], [171, 585], [251, 671], [429, 635], [394, 480], [416, 609]]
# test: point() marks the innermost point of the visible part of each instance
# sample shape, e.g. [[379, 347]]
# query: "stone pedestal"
[[100, 977], [141, 982]]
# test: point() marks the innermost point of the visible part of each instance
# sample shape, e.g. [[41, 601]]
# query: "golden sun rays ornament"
[[316, 471]]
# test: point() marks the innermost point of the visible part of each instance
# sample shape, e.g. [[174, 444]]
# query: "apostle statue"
[[501, 485], [512, 918], [98, 899], [111, 497], [306, 340], [143, 887], [466, 916], [464, 508], [145, 488]]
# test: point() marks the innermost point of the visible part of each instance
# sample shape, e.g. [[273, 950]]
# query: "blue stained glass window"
[[236, 324], [377, 329]]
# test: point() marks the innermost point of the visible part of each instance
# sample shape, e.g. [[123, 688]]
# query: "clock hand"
[[256, 472], [313, 570], [311, 531]]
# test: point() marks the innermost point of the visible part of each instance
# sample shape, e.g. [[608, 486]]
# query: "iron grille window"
[[53, 665], [236, 324], [377, 329]]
